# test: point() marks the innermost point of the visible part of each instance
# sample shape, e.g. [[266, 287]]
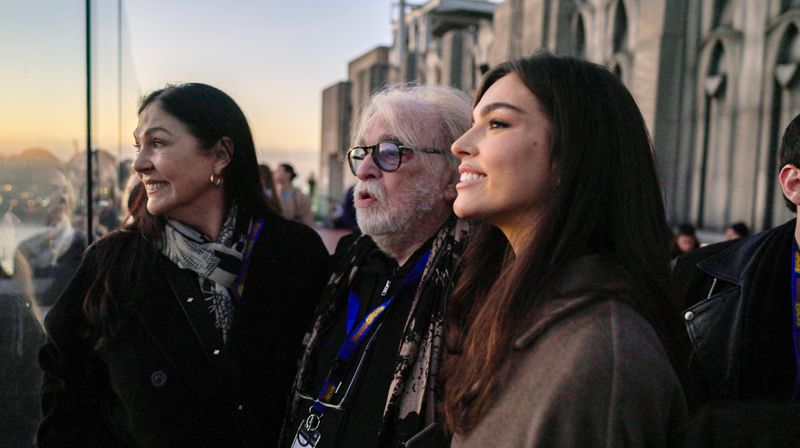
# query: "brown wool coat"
[[590, 372]]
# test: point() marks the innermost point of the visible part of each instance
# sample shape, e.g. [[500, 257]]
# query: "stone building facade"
[[340, 104], [716, 81], [336, 111]]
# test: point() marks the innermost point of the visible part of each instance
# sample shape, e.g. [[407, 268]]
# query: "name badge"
[[307, 435]]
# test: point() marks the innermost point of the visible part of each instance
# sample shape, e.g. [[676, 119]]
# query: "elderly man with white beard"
[[369, 373]]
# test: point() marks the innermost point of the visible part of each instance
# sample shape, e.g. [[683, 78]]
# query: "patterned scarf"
[[216, 263], [415, 390]]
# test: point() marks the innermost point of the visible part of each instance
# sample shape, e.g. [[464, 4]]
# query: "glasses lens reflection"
[[388, 156]]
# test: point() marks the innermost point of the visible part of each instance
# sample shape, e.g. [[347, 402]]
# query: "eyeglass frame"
[[370, 149], [340, 406]]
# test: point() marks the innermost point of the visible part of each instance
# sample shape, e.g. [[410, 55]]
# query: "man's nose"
[[368, 169]]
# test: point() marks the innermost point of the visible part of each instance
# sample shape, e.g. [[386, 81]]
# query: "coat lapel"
[[157, 304]]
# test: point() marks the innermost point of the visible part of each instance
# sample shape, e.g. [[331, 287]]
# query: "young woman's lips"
[[470, 178]]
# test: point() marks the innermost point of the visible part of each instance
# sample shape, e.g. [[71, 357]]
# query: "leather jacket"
[[715, 283]]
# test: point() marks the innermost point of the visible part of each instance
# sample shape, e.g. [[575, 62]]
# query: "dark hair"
[[209, 114], [790, 152], [607, 199], [684, 229], [740, 228], [289, 169], [137, 203]]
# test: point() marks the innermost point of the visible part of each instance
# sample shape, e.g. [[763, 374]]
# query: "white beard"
[[399, 214]]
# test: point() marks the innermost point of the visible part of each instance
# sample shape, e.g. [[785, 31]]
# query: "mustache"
[[372, 188]]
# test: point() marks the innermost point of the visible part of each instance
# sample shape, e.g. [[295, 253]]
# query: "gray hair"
[[420, 116]]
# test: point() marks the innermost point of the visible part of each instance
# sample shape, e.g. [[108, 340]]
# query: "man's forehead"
[[379, 128]]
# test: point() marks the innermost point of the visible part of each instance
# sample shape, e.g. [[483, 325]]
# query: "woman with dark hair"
[[183, 328], [561, 330], [737, 230]]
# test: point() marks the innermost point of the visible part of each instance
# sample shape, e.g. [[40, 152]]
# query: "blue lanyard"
[[355, 334], [796, 317], [256, 227]]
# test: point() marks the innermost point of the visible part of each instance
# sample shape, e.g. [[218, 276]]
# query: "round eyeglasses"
[[387, 155]]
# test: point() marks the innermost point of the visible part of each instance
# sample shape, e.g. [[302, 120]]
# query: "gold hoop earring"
[[215, 180]]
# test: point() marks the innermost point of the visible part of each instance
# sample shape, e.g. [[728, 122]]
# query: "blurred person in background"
[[21, 336], [561, 331], [105, 172], [685, 241], [295, 204], [8, 234], [107, 218], [737, 230], [344, 216], [54, 253], [268, 187], [183, 328]]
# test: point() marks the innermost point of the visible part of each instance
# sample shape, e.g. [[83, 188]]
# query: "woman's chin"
[[465, 212], [155, 210]]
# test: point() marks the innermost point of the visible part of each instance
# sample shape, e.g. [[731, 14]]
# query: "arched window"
[[715, 165], [788, 4], [580, 36], [620, 60], [620, 39], [617, 70], [723, 13], [717, 60], [789, 52]]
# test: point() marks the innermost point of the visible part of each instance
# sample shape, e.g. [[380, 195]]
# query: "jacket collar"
[[736, 263], [574, 290]]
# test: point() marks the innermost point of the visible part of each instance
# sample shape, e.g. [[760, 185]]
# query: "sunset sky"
[[273, 57]]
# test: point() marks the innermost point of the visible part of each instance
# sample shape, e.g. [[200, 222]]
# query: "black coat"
[[719, 285], [742, 365], [155, 384]]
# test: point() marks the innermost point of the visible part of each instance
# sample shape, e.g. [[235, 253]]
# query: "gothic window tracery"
[[723, 14], [620, 59], [580, 36], [716, 143]]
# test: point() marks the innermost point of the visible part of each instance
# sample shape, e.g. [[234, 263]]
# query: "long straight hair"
[[607, 199], [209, 114]]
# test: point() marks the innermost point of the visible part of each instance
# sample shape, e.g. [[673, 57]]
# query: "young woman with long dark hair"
[[561, 332], [183, 329]]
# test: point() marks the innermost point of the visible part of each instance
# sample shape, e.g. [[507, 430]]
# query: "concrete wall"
[[336, 112]]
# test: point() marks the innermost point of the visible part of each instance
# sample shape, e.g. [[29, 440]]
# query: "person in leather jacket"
[[740, 314]]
